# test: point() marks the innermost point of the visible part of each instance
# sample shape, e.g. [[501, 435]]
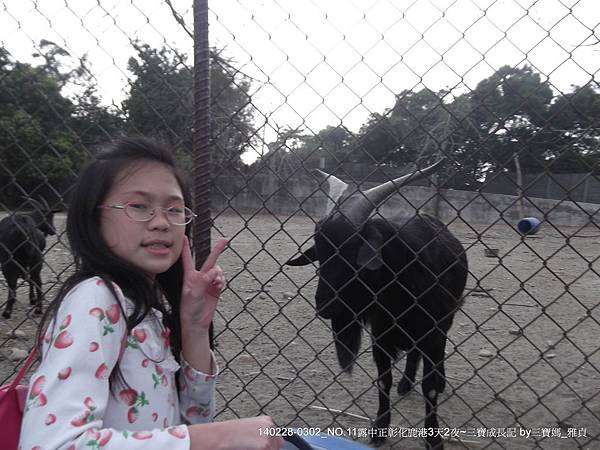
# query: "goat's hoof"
[[6, 315], [37, 312], [434, 444]]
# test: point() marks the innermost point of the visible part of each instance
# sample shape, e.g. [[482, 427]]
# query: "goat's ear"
[[305, 258], [334, 188], [369, 252]]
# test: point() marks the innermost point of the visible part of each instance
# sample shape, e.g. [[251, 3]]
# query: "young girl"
[[134, 315]]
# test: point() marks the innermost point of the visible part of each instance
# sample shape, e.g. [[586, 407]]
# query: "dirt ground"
[[522, 355]]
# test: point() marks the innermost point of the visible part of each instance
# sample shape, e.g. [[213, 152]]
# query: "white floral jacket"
[[70, 404]]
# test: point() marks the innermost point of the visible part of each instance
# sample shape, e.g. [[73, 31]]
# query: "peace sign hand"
[[201, 288]]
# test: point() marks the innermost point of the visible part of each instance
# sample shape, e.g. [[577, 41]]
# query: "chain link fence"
[[505, 90]]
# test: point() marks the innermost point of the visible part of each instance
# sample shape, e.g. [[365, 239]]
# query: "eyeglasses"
[[140, 212]]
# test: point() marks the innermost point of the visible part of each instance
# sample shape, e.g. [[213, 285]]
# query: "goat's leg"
[[35, 284], [31, 291], [384, 384], [434, 382], [408, 377], [11, 280]]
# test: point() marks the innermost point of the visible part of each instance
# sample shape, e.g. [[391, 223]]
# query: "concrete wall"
[[264, 194], [579, 187], [485, 209], [583, 187]]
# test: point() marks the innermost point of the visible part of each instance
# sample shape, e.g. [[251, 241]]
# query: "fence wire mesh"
[[506, 91]]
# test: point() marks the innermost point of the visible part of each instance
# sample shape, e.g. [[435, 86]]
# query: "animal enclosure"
[[517, 356], [252, 96]]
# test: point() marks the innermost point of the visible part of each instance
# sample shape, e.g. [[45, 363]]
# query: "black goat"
[[402, 276], [22, 244]]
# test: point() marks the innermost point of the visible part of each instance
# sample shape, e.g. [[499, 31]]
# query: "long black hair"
[[92, 255]]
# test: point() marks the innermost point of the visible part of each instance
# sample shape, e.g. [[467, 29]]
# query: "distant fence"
[[302, 194], [577, 187]]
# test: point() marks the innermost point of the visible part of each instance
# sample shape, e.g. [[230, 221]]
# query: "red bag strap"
[[24, 368]]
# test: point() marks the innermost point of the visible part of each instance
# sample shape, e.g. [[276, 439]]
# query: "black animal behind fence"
[[404, 277], [22, 244]]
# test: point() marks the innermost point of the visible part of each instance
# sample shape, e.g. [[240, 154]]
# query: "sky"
[[326, 62]]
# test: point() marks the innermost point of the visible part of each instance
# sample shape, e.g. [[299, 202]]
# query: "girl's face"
[[153, 246]]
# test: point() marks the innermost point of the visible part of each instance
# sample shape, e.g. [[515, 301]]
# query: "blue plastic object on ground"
[[528, 225]]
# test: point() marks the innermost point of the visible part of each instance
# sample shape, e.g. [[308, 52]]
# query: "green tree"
[[93, 122], [55, 58], [330, 146], [417, 129], [38, 148], [379, 140], [286, 154], [160, 103], [511, 107], [575, 130], [510, 122], [46, 135], [232, 112]]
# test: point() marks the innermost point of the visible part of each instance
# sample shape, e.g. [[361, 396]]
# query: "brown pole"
[[201, 175]]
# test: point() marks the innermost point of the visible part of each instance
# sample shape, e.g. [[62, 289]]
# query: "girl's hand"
[[253, 433], [201, 288]]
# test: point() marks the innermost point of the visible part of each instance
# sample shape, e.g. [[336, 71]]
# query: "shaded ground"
[[523, 352]]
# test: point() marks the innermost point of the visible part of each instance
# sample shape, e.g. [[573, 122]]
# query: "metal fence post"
[[201, 133]]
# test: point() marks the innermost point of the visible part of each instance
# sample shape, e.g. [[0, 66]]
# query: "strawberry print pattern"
[[36, 397], [64, 338], [134, 401], [107, 317], [136, 338], [71, 402], [159, 377], [97, 439]]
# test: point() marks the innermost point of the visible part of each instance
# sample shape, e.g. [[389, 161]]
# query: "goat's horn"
[[360, 205], [335, 188]]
